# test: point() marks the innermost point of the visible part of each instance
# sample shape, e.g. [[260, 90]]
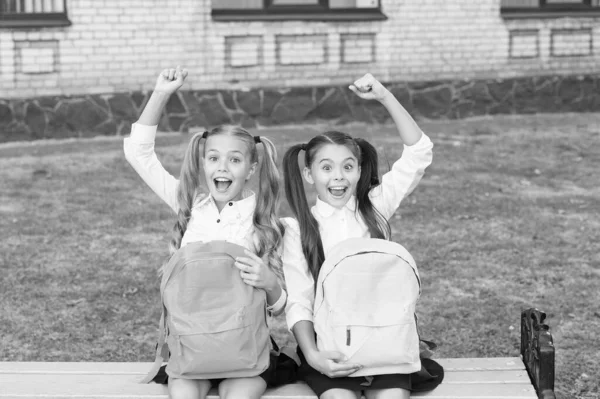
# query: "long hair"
[[366, 154], [267, 227]]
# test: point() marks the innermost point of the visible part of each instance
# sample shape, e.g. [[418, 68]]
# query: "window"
[[231, 10], [33, 13], [549, 8]]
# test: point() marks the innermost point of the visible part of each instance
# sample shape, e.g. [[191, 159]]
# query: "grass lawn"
[[507, 217]]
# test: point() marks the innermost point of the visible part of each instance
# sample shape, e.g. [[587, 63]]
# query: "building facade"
[[85, 67]]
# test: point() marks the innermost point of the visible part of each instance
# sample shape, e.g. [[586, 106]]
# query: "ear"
[[251, 171], [307, 175]]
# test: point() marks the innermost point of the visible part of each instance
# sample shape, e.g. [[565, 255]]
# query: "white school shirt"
[[233, 224], [336, 225]]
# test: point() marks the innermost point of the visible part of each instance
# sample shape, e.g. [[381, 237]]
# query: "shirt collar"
[[245, 206], [326, 210]]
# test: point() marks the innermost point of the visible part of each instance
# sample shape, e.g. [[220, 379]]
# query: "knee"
[[340, 394], [182, 392], [188, 389], [249, 388]]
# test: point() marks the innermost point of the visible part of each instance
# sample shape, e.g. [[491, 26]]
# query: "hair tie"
[[257, 139], [303, 147], [205, 135]]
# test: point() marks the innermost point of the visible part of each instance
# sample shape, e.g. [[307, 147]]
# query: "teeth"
[[222, 179], [337, 191]]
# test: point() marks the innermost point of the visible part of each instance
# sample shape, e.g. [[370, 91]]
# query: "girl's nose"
[[337, 174]]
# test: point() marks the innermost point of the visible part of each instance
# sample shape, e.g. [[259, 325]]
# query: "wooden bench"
[[528, 376]]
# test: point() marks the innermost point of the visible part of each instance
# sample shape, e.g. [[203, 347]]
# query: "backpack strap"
[[162, 350]]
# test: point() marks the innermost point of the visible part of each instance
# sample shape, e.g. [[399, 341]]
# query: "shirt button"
[[231, 204], [218, 220]]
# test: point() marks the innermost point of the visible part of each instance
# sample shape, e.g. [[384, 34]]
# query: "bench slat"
[[451, 377], [492, 378], [111, 387], [141, 368]]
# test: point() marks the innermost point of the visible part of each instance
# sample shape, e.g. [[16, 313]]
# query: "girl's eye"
[[236, 160], [212, 159], [349, 167], [327, 168]]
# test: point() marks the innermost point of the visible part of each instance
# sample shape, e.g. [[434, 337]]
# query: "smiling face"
[[227, 166], [335, 172]]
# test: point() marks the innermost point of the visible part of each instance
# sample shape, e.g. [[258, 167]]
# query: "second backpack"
[[366, 295]]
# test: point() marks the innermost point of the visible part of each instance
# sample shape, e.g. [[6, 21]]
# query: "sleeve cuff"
[[143, 134], [277, 308], [294, 317], [423, 143]]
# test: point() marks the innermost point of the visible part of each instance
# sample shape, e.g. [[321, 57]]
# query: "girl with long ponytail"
[[220, 161]]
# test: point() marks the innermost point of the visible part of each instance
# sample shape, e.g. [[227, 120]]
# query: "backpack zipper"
[[348, 336], [179, 345]]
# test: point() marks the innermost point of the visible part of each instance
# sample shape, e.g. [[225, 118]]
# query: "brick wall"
[[120, 46]]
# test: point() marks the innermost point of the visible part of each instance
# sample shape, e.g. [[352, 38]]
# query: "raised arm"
[[139, 146], [369, 88], [406, 173], [167, 83]]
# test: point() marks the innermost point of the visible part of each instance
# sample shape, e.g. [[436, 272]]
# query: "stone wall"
[[112, 114]]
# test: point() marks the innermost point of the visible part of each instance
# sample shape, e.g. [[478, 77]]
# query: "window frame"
[[317, 12], [552, 10], [34, 19]]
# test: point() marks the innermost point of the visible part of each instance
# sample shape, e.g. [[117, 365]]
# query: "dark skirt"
[[430, 376], [282, 370], [163, 378]]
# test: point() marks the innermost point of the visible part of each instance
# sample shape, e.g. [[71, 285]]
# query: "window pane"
[[294, 2], [31, 6], [236, 4], [342, 3], [59, 6], [353, 3], [520, 3]]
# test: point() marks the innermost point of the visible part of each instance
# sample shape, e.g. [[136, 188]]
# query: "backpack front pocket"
[[382, 337], [211, 348]]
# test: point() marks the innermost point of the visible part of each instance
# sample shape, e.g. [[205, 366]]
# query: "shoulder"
[[291, 226], [200, 198]]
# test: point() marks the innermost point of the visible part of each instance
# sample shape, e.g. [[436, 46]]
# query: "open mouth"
[[337, 192], [222, 184]]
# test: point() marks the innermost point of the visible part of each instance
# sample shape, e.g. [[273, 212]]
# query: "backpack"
[[366, 294], [213, 325]]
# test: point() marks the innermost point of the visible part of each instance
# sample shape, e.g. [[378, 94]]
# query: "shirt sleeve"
[[299, 281], [405, 175], [139, 152], [277, 308]]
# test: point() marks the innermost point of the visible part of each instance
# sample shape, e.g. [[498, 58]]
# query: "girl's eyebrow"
[[229, 152], [345, 160]]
